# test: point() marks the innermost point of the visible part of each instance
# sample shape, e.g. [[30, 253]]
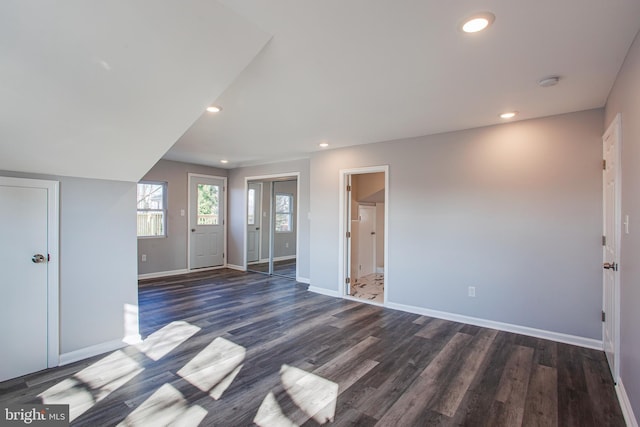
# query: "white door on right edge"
[[611, 226]]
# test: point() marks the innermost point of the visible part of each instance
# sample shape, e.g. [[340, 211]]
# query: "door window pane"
[[208, 204], [284, 213], [251, 207]]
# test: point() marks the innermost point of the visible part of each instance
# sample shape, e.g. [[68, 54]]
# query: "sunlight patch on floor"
[[270, 414], [163, 341], [314, 395], [92, 384], [215, 367], [167, 406]]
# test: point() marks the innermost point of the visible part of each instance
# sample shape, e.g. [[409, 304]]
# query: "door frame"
[[53, 265], [246, 213], [343, 242], [190, 176], [615, 126]]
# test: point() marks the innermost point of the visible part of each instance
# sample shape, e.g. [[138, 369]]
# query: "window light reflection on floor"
[[92, 384], [215, 367], [163, 341], [314, 397], [167, 406]]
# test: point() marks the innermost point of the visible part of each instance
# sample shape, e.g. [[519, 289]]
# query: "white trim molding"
[[95, 350], [324, 291], [162, 274], [507, 327], [236, 267], [625, 405], [304, 280]]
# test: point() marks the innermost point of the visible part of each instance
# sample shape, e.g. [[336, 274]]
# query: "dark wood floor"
[[285, 268], [227, 348]]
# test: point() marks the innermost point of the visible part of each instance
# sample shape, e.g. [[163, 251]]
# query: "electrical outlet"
[[472, 291], [181, 212], [286, 244], [143, 258]]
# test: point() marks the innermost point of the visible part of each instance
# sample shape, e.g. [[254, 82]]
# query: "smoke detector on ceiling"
[[549, 81]]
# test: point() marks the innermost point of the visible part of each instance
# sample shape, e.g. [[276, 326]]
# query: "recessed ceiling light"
[[549, 81], [224, 161], [477, 22], [323, 144], [508, 115], [214, 109]]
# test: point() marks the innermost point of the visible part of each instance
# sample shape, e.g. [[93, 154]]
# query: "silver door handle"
[[610, 266], [38, 258]]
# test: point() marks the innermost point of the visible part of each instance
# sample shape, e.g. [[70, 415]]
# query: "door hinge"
[[603, 316], [604, 240], [348, 188], [222, 254], [223, 222], [48, 257], [348, 234], [604, 164], [347, 280]]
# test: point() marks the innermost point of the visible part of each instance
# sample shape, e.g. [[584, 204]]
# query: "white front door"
[[611, 226], [206, 221], [25, 248], [254, 217], [366, 240]]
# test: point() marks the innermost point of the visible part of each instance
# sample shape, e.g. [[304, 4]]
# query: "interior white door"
[[23, 286], [611, 226], [366, 240], [206, 221], [254, 218]]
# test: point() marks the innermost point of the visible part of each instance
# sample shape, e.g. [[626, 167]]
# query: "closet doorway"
[[364, 225], [272, 224]]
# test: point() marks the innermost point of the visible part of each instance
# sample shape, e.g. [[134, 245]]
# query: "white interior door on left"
[[24, 257], [206, 219]]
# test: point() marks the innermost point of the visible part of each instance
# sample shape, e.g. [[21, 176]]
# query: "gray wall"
[[237, 209], [514, 210], [98, 278], [170, 253], [625, 99]]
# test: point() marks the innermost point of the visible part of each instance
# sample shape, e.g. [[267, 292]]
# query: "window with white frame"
[[152, 209], [284, 213]]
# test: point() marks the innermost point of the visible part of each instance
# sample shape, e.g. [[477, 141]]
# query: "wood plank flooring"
[[227, 348]]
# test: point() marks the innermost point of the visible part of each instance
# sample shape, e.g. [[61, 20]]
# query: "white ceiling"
[[362, 71], [102, 89]]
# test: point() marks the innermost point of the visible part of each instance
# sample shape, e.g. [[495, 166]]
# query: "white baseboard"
[[324, 291], [508, 327], [236, 267], [303, 280], [380, 270], [94, 350], [162, 274], [625, 404]]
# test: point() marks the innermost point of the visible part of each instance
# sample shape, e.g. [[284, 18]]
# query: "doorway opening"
[[207, 236], [363, 233], [272, 224]]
